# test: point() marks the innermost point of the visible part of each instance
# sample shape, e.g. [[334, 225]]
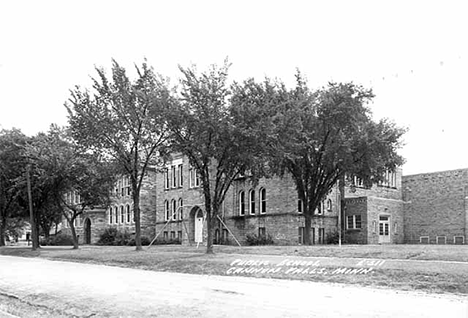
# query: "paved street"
[[83, 290]]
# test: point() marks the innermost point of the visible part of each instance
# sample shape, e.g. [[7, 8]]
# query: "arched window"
[[329, 205], [166, 210], [252, 201], [174, 210], [241, 203], [122, 214], [262, 200], [128, 214], [116, 211], [181, 209], [110, 216]]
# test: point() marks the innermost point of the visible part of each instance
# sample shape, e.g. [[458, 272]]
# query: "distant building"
[[436, 207]]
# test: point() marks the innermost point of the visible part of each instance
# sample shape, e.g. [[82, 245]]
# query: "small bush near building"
[[254, 239], [144, 241], [57, 240], [112, 236]]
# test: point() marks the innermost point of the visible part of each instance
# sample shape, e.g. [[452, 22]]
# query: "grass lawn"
[[428, 268]]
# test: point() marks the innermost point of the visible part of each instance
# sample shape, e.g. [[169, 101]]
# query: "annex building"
[[418, 209]]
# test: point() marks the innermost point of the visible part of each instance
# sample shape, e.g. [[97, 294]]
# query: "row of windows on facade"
[[389, 180], [173, 177], [72, 197], [122, 187], [354, 222], [442, 239], [325, 205], [121, 215]]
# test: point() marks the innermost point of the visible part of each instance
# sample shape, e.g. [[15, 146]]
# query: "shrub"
[[57, 240], [333, 238], [144, 241], [112, 236], [254, 239], [108, 236]]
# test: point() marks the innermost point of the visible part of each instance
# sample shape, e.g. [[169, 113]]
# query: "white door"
[[199, 228], [384, 229]]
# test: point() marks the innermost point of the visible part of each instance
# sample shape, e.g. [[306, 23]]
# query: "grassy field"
[[428, 268]]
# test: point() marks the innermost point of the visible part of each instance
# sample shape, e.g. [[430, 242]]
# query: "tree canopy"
[[219, 133], [123, 120], [61, 168], [12, 169], [326, 135]]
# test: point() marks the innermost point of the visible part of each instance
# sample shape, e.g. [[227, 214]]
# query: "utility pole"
[[34, 236]]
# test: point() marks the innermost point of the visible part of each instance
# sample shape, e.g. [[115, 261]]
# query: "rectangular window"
[[299, 206], [179, 236], [166, 236], [301, 239], [174, 176], [261, 232], [173, 235], [424, 239], [458, 240], [389, 180], [166, 178], [197, 179], [194, 178], [353, 222], [321, 236], [181, 178], [441, 240]]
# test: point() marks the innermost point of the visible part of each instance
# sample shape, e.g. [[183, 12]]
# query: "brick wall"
[[281, 220], [435, 205]]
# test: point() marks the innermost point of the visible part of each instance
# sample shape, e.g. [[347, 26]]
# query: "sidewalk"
[[83, 290]]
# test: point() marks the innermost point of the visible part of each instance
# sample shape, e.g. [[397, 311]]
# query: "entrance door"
[[384, 229], [199, 227], [87, 230]]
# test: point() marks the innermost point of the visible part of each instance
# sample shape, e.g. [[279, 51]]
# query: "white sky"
[[412, 53]]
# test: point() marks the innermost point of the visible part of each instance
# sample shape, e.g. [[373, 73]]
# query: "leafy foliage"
[[123, 120], [113, 236], [254, 239], [60, 168], [12, 168], [325, 135], [218, 129], [60, 239]]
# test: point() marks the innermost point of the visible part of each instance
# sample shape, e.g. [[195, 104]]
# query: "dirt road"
[[83, 290]]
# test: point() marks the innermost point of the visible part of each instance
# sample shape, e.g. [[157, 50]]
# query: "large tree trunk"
[[74, 236], [2, 231], [341, 210], [136, 213], [209, 229], [307, 227]]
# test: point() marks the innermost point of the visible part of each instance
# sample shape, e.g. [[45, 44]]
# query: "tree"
[[72, 181], [12, 169], [123, 120], [324, 136], [214, 127]]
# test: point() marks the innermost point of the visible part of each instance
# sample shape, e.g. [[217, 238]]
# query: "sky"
[[413, 54]]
